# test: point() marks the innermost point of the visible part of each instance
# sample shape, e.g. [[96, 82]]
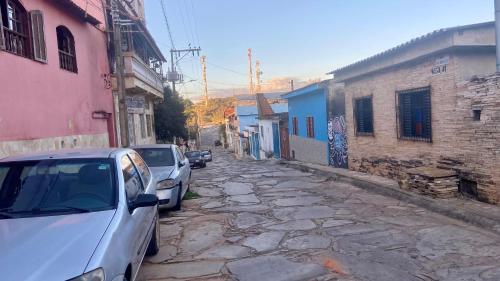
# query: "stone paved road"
[[260, 221]]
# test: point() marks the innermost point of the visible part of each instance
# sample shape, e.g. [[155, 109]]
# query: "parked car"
[[196, 159], [217, 143], [172, 171], [207, 155], [76, 215]]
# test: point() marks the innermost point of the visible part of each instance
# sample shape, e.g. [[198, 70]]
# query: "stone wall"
[[9, 148], [308, 150], [471, 148]]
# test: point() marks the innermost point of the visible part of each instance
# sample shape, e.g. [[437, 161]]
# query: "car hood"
[[52, 247], [162, 173]]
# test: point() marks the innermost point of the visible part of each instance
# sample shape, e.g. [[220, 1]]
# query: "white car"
[[76, 215], [172, 171]]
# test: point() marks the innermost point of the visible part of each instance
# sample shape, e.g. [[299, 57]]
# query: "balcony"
[[140, 78]]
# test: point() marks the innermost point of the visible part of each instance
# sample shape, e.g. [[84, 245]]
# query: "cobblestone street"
[[260, 221]]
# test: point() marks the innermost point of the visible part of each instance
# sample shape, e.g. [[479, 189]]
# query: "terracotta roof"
[[263, 106]]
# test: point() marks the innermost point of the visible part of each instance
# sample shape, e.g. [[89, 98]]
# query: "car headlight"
[[94, 275], [166, 184]]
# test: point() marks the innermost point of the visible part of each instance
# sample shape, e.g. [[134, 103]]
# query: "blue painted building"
[[308, 123], [247, 116]]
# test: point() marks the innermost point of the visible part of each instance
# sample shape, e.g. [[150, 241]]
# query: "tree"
[[170, 117]]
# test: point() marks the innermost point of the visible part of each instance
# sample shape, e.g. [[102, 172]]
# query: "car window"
[[48, 187], [157, 157], [193, 154], [142, 167], [180, 154], [133, 183]]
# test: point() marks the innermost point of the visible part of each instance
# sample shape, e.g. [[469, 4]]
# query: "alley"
[[264, 221]]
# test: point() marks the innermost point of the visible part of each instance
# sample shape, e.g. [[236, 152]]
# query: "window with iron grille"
[[14, 28], [66, 46], [295, 124], [414, 114], [310, 127], [363, 115]]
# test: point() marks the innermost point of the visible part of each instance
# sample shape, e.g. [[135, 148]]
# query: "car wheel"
[[178, 204], [154, 243]]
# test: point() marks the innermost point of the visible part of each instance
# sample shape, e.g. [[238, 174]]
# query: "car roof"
[[152, 146], [66, 154]]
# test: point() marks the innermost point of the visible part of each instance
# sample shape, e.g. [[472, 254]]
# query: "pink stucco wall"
[[92, 7], [41, 100]]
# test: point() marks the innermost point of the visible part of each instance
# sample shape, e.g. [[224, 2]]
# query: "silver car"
[[172, 171], [76, 215]]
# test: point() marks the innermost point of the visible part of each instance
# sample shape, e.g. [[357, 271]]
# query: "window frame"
[[149, 127], [142, 121], [310, 126], [355, 112], [24, 37], [399, 120], [295, 126], [66, 54]]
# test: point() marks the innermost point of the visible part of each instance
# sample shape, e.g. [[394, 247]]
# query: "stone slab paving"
[[259, 221]]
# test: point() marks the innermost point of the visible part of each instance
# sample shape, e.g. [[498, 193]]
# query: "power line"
[[227, 69], [162, 3]]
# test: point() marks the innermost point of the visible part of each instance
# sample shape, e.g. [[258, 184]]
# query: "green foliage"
[[170, 117], [214, 112]]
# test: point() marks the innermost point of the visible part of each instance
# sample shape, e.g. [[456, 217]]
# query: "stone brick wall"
[[470, 147], [308, 150]]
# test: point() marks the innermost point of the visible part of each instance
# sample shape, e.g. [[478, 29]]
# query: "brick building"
[[419, 114]]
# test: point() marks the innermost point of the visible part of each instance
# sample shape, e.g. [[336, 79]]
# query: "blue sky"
[[299, 39]]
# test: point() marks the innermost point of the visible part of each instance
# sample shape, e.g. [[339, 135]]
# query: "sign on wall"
[[441, 65], [135, 104]]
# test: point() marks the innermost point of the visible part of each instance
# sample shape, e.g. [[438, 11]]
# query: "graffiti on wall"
[[337, 142]]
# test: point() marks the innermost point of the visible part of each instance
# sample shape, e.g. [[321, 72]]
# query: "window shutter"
[[2, 39], [38, 34]]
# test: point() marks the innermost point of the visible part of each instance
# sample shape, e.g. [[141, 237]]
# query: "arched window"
[[14, 27], [66, 46]]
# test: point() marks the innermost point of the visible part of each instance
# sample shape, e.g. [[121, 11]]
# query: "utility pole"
[[257, 75], [119, 72], [172, 75], [250, 74], [205, 84], [291, 84]]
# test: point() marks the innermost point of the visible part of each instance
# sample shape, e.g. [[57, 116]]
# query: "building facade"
[[270, 116], [143, 76], [54, 73], [307, 122], [419, 114]]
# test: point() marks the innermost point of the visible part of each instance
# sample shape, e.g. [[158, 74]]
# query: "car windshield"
[[157, 157], [193, 154], [51, 187], [205, 153]]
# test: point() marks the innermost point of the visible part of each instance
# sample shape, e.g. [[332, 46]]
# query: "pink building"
[[55, 76]]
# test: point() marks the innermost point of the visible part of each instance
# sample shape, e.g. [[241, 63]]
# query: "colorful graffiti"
[[337, 142]]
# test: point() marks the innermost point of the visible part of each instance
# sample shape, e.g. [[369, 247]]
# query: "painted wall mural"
[[337, 142]]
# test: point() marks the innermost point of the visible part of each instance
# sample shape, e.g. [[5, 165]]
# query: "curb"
[[483, 219]]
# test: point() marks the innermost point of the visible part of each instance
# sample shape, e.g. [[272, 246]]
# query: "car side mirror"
[[144, 200], [180, 164]]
